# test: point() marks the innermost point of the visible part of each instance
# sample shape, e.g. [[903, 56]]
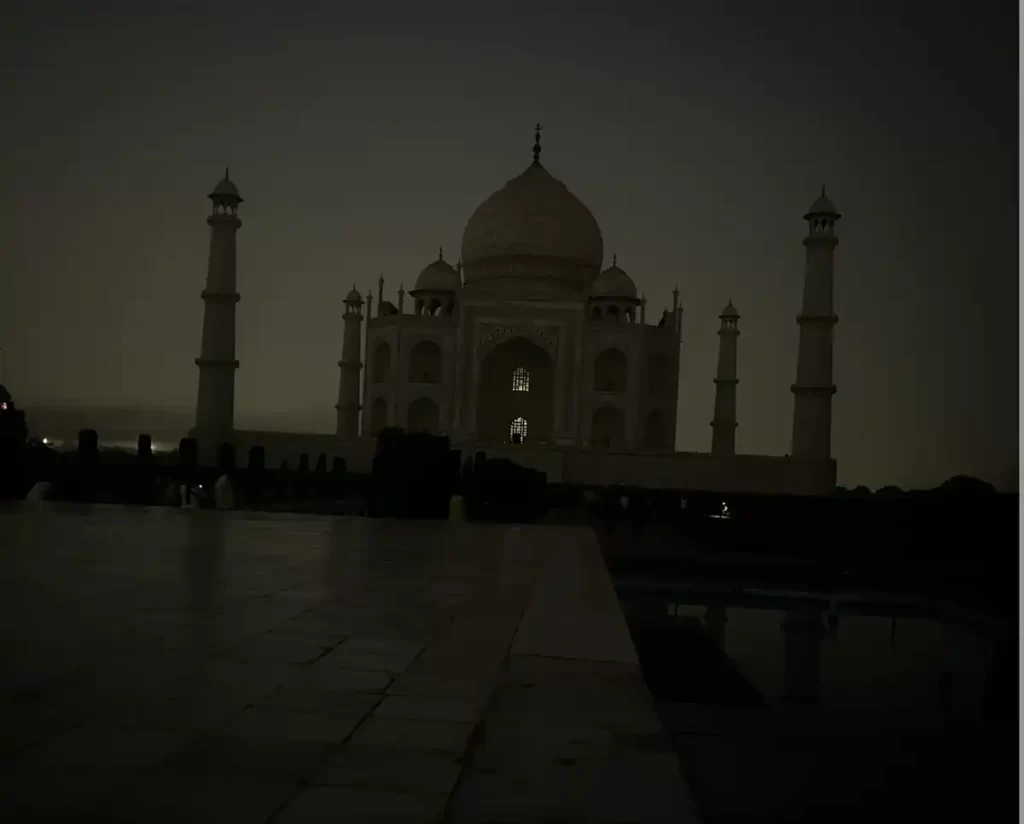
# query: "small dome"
[[613, 282], [439, 276], [226, 188], [533, 215], [729, 311], [822, 206], [354, 297]]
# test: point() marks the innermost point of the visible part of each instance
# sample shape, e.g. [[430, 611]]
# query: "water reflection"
[[715, 619], [838, 653], [803, 634]]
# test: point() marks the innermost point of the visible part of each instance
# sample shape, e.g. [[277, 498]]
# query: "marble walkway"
[[194, 666]]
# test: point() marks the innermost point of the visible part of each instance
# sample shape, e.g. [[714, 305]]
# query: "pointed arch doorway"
[[516, 395]]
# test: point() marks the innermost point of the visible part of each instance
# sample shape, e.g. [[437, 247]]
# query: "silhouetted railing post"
[[255, 474], [144, 476], [337, 477], [320, 476], [188, 462], [301, 486], [86, 466]]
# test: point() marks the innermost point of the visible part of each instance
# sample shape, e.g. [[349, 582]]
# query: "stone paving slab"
[[191, 666]]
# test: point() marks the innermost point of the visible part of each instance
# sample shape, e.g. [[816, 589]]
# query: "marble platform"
[[194, 666]]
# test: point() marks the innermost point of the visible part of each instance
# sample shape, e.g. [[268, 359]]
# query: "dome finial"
[[823, 190], [536, 144], [440, 252], [226, 175], [615, 258]]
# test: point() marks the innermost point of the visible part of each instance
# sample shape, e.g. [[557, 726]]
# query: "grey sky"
[[361, 140]]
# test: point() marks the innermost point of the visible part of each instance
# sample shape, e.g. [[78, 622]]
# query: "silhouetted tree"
[[966, 485]]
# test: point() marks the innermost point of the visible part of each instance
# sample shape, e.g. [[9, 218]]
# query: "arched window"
[[520, 380], [378, 416], [610, 371], [381, 362], [655, 436], [660, 381], [425, 362], [423, 416], [595, 313], [517, 430], [608, 428], [613, 312]]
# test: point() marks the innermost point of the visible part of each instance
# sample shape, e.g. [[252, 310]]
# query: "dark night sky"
[[698, 134]]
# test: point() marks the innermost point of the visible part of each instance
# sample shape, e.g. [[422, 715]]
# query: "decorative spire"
[[536, 144], [823, 190], [440, 252], [226, 175], [615, 258]]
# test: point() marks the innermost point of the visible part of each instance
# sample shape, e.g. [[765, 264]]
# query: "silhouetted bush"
[[501, 490], [413, 475]]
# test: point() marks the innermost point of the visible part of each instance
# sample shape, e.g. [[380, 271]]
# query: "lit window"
[[520, 380], [517, 430]]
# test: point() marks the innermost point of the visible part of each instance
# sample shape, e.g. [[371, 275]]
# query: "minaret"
[[723, 426], [350, 365], [215, 404], [813, 390]]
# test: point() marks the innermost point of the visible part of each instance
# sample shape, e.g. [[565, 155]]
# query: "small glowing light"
[[3, 405], [46, 441]]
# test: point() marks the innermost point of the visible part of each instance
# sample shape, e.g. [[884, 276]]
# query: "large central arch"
[[516, 381]]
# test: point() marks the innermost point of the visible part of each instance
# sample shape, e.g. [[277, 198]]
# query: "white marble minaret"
[[813, 390], [350, 365], [215, 405], [723, 426]]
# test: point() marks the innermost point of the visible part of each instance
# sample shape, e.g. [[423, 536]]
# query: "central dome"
[[533, 216]]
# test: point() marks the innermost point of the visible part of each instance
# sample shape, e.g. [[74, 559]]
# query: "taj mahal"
[[530, 348]]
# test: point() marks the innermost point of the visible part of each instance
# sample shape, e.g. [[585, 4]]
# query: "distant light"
[[46, 441], [3, 406], [723, 513]]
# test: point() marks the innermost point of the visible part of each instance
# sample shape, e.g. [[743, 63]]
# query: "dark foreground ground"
[[184, 666]]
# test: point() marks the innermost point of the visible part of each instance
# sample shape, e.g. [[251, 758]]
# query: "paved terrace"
[[184, 666]]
